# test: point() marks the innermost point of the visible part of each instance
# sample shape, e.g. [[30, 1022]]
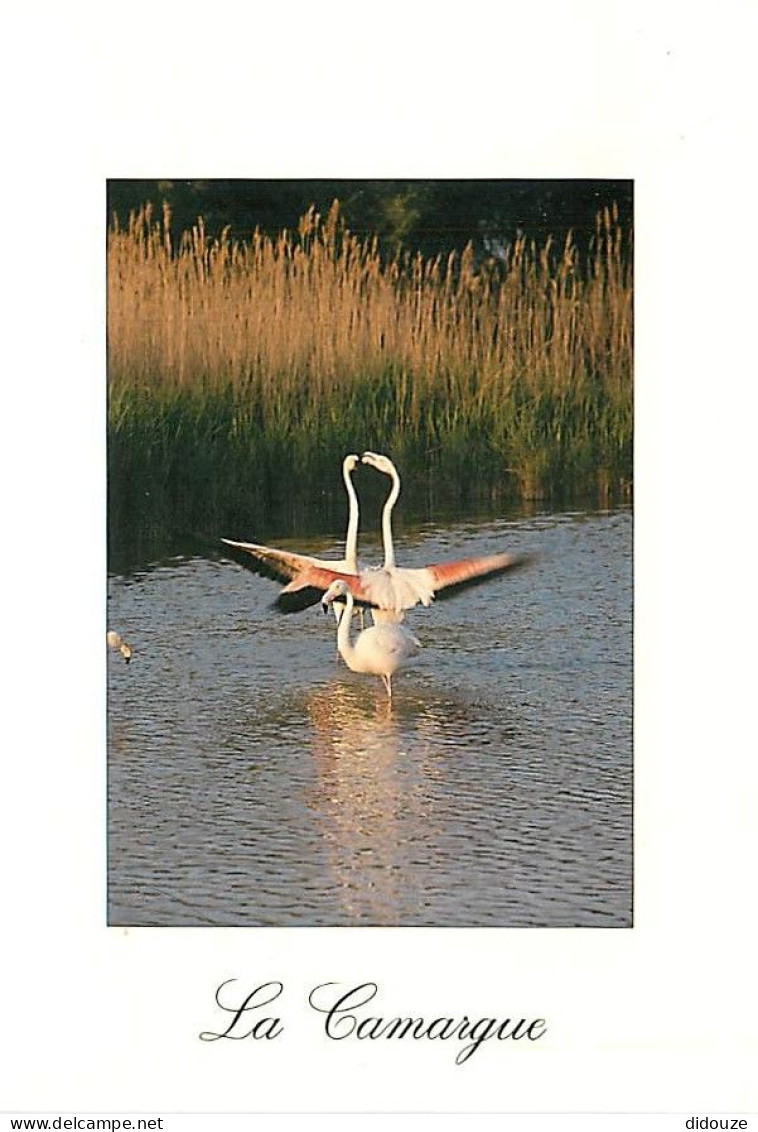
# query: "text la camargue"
[[344, 1018]]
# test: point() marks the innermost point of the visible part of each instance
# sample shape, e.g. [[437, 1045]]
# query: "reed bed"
[[241, 370]]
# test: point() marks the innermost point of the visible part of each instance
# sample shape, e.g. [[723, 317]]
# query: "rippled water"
[[254, 780]]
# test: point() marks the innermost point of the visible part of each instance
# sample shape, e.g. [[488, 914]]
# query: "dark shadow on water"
[[317, 525]]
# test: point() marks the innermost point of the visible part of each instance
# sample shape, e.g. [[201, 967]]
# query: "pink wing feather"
[[469, 571]]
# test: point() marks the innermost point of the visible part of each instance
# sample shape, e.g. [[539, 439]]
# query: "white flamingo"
[[384, 464], [388, 590], [379, 650], [396, 588], [116, 641], [394, 580], [282, 564]]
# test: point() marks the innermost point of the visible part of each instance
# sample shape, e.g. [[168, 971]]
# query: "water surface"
[[254, 780]]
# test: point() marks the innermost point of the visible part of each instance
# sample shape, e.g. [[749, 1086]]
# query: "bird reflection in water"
[[372, 802]]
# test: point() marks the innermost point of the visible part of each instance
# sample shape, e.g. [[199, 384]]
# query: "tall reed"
[[233, 360]]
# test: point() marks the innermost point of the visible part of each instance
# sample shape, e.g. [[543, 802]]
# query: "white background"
[[659, 1019]]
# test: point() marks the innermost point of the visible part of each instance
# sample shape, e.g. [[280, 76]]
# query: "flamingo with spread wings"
[[387, 590], [394, 588], [283, 565]]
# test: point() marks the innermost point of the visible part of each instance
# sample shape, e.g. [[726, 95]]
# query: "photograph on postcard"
[[332, 406]]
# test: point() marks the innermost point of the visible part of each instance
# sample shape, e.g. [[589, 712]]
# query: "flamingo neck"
[[351, 538], [389, 546], [344, 644]]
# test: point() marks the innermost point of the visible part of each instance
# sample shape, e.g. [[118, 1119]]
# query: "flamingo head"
[[350, 463], [381, 463], [338, 589]]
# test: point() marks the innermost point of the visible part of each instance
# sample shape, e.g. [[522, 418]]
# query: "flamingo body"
[[377, 651]]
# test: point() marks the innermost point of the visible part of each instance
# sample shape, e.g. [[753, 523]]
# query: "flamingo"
[[379, 650], [116, 641], [387, 590], [284, 565], [385, 465], [397, 589]]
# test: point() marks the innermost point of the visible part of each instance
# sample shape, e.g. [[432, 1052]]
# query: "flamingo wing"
[[395, 588], [306, 578], [311, 584], [449, 578], [266, 561]]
